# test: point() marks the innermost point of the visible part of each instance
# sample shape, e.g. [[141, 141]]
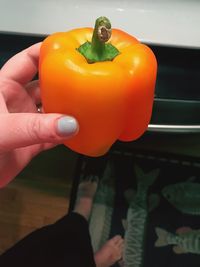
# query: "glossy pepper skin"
[[111, 100]]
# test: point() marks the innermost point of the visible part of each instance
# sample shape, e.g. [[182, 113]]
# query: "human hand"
[[24, 132]]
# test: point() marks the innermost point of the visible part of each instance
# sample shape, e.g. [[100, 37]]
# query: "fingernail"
[[67, 126]]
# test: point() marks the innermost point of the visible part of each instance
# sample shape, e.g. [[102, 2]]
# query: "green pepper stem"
[[101, 34], [98, 50]]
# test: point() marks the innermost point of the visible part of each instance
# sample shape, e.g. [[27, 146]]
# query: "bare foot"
[[85, 194], [110, 252], [87, 188]]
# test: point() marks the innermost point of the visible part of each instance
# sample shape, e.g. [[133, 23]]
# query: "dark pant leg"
[[65, 243]]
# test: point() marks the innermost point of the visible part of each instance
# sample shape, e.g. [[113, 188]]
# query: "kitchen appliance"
[[177, 95]]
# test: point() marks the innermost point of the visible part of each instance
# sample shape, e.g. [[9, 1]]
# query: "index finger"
[[22, 67]]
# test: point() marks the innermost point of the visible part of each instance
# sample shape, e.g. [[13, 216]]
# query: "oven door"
[[177, 98]]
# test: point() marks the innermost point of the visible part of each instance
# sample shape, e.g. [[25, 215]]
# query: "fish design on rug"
[[185, 240], [135, 226], [102, 210], [184, 196]]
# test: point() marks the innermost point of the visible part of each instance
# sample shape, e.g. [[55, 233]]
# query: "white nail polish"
[[67, 126]]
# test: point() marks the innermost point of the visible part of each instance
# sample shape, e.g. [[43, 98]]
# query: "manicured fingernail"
[[67, 126]]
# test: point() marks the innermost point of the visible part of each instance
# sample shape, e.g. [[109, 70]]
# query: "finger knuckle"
[[41, 131]]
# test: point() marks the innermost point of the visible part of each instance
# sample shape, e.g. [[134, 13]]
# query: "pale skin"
[[25, 133], [113, 248]]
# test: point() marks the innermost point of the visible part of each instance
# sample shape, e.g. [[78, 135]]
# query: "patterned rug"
[[152, 200]]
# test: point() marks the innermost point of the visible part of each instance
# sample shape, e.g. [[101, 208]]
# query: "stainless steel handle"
[[164, 128]]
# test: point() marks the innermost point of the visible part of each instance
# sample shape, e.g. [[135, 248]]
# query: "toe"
[[120, 242], [116, 239]]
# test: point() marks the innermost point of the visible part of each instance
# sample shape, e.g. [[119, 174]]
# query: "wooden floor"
[[33, 200]]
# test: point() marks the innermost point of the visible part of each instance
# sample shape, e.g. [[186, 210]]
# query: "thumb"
[[24, 129]]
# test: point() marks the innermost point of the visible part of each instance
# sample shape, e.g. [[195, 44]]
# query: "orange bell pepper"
[[108, 86]]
